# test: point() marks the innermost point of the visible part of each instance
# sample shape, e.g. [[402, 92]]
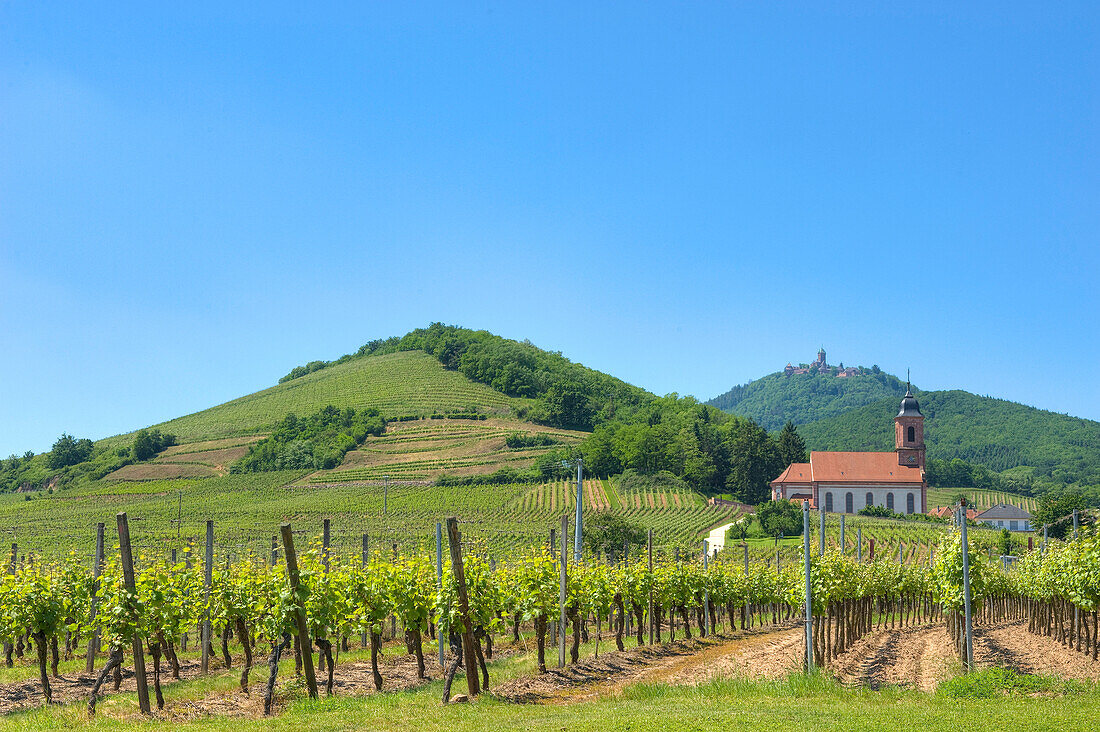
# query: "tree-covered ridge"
[[998, 434], [712, 451], [566, 394], [802, 398]]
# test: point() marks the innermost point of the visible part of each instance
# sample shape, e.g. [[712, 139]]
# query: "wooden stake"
[[128, 579], [300, 612], [473, 682]]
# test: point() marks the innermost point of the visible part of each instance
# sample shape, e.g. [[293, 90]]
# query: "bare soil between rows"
[[916, 657], [767, 652], [351, 678]]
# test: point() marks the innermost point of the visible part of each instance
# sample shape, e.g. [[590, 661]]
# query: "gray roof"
[[909, 406], [1003, 511]]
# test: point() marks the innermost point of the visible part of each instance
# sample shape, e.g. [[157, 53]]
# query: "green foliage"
[[711, 451], [990, 683], [780, 518], [1053, 510], [318, 441], [878, 511], [147, 443], [69, 451], [521, 440], [791, 446], [801, 398], [609, 532]]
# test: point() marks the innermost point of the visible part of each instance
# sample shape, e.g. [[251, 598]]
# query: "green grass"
[[795, 703]]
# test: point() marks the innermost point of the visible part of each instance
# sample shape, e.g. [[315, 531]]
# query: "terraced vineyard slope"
[[427, 448], [396, 384]]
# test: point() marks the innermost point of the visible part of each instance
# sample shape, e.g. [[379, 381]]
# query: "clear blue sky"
[[194, 199]]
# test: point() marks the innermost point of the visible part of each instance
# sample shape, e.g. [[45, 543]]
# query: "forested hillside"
[[992, 432], [802, 398]]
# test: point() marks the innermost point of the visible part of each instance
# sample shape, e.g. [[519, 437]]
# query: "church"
[[845, 482]]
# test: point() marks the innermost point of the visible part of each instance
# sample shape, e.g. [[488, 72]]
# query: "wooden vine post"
[[128, 579], [473, 683], [299, 609], [93, 640]]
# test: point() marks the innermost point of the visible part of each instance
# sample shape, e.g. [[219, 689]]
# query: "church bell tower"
[[909, 432]]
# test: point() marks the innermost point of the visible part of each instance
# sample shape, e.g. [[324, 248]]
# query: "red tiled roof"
[[862, 467], [949, 511], [795, 473]]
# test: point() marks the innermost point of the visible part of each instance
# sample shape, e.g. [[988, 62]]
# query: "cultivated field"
[[397, 384], [982, 499], [427, 448]]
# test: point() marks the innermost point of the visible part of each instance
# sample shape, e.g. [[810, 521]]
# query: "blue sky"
[[195, 199]]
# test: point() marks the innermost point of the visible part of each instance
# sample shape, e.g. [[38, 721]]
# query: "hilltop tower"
[[909, 432], [820, 362]]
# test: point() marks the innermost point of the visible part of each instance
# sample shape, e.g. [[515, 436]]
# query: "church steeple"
[[909, 431]]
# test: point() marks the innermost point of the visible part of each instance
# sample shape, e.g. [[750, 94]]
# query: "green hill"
[[998, 434], [396, 384], [803, 398]]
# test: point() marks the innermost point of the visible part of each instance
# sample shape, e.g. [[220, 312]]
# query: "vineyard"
[[981, 499], [396, 384], [424, 449], [275, 618], [496, 518]]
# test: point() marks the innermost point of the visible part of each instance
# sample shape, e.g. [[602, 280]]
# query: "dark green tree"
[[607, 532], [68, 451], [754, 463], [792, 448], [1053, 509], [567, 405], [780, 518]]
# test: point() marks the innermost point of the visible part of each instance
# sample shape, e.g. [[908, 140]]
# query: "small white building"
[[1006, 516]]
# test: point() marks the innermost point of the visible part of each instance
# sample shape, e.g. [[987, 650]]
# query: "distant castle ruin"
[[821, 366]]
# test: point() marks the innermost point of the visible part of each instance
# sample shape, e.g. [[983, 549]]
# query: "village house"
[[1006, 516]]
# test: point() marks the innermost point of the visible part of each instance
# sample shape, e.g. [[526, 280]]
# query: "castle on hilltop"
[[821, 366]]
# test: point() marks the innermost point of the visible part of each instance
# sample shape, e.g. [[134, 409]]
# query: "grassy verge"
[[814, 703]]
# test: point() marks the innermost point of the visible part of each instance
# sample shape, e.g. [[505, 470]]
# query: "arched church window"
[[910, 504], [890, 501], [912, 433], [870, 499], [829, 502], [849, 503]]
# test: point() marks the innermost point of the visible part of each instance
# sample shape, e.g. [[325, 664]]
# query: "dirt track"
[[911, 657], [761, 653], [1011, 646]]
